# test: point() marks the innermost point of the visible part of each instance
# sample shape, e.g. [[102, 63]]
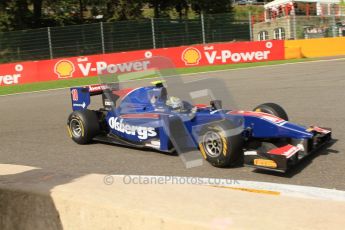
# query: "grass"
[[4, 90], [237, 66], [47, 85]]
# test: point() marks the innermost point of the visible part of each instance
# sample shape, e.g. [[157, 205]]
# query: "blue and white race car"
[[147, 117]]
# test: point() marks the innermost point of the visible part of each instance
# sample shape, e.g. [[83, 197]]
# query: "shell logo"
[[191, 56], [64, 69]]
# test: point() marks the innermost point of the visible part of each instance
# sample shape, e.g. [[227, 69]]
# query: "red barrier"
[[184, 56]]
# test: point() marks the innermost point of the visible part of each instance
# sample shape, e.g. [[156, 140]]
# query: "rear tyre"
[[219, 149], [82, 126], [272, 108]]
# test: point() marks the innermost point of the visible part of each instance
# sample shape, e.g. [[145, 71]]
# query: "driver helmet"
[[175, 103]]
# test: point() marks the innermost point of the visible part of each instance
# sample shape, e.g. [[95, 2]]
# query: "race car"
[[147, 117]]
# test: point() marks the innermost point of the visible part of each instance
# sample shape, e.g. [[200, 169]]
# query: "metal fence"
[[108, 37], [87, 39]]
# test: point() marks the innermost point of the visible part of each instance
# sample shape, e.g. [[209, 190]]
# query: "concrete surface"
[[33, 200]]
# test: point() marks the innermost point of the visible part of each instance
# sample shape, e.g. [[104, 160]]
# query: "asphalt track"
[[33, 128]]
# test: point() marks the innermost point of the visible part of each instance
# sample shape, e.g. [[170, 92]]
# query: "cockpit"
[[153, 98]]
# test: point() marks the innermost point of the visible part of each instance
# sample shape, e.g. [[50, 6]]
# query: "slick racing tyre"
[[221, 144], [272, 108], [82, 126]]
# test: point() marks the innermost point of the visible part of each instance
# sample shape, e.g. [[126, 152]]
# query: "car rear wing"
[[81, 96]]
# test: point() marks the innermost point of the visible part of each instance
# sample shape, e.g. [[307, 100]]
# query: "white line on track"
[[289, 190], [284, 189], [191, 74]]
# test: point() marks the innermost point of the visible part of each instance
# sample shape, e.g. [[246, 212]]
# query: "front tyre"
[[82, 126], [272, 108], [218, 148]]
